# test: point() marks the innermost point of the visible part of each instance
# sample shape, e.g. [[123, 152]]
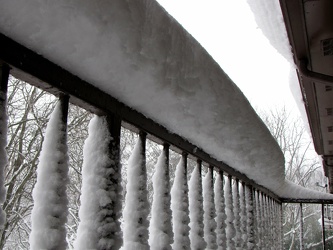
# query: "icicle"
[[4, 74], [220, 212], [179, 207], [243, 224], [160, 229], [196, 210], [209, 211], [238, 236], [250, 218], [136, 201], [231, 232], [49, 214], [99, 213]]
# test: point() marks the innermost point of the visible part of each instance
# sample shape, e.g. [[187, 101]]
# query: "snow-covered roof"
[[136, 52]]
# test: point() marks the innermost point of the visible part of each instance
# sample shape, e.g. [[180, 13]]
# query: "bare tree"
[[302, 167]]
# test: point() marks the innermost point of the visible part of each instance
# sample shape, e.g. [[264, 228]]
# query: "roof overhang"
[[309, 25]]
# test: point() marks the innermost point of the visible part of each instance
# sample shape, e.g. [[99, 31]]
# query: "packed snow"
[[209, 210], [160, 228], [3, 153], [221, 238], [136, 202], [196, 210], [229, 208], [180, 208], [99, 213], [136, 52], [49, 214]]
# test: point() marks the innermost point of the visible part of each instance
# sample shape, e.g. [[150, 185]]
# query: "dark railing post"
[[114, 127], [301, 236], [323, 225]]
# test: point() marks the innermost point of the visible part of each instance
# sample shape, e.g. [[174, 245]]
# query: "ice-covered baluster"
[[209, 210], [100, 209], [231, 231], [221, 216], [179, 206], [49, 214], [196, 209], [160, 229], [136, 201]]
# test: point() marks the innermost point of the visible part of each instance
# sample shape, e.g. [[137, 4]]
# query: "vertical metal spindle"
[[323, 225], [114, 127], [301, 235]]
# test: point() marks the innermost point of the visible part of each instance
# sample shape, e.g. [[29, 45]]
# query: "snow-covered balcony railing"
[[132, 65], [219, 210]]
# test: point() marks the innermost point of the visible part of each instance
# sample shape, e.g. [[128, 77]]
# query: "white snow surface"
[[180, 208], [98, 191], [220, 213], [196, 210], [136, 203], [49, 214], [209, 211], [160, 228], [136, 52]]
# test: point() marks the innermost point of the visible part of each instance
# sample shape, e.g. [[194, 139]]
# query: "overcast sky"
[[228, 31]]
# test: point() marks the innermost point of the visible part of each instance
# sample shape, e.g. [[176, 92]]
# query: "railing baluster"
[[250, 218], [243, 215], [237, 212], [160, 225], [259, 220], [220, 211], [49, 214], [209, 210], [100, 210], [196, 209], [180, 206], [231, 232], [136, 197], [301, 229], [323, 225]]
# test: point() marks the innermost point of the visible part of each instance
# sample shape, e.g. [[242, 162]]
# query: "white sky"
[[228, 31]]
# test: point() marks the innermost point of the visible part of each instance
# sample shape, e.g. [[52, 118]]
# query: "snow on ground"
[[49, 213], [136, 52]]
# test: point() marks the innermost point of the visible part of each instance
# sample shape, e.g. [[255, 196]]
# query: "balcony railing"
[[228, 211]]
